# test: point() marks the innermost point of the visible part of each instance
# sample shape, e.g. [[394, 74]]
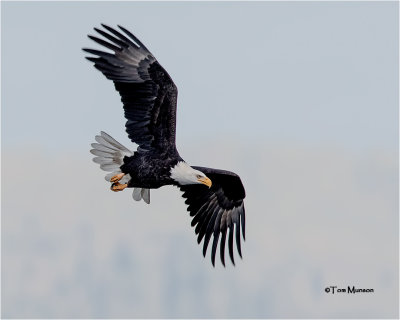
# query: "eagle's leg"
[[117, 177], [116, 186]]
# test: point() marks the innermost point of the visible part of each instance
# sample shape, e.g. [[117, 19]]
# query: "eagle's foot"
[[118, 187], [117, 177]]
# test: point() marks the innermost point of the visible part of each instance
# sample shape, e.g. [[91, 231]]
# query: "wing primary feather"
[[209, 231], [222, 246], [199, 216], [214, 247], [195, 204], [239, 249], [105, 43], [92, 59], [203, 224], [133, 38], [107, 70], [107, 60], [230, 243], [120, 35], [111, 38], [98, 53], [243, 218]]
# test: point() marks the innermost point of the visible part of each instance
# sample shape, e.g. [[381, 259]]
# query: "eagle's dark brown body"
[[150, 170]]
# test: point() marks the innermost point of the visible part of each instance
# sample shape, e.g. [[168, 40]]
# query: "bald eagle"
[[149, 97]]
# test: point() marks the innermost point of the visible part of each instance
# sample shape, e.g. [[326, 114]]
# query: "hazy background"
[[300, 99]]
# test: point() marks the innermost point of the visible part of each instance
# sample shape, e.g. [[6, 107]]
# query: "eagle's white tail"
[[110, 154]]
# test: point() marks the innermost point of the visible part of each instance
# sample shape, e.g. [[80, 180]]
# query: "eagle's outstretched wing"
[[217, 210], [147, 91]]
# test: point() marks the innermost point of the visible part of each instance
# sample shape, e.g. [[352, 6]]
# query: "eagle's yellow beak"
[[205, 181]]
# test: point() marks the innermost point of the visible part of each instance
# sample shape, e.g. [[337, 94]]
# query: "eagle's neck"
[[182, 173]]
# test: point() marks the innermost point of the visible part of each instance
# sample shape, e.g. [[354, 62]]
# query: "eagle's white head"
[[185, 174]]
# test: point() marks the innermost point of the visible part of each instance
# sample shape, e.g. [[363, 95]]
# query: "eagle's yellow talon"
[[118, 187], [117, 177]]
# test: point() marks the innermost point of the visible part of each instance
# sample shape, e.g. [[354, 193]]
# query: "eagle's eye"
[[198, 176]]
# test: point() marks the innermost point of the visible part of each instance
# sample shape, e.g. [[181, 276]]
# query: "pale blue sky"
[[310, 72], [299, 98]]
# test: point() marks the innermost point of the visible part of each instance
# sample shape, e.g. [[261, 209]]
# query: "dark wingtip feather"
[[204, 223], [133, 37], [214, 247], [119, 35], [87, 50], [238, 245], [243, 225], [222, 247], [91, 59], [112, 38], [205, 243], [209, 231], [230, 244], [104, 43]]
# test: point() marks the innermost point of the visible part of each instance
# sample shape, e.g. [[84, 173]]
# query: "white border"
[[398, 155]]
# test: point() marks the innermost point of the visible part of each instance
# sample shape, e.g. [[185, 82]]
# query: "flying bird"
[[149, 97]]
